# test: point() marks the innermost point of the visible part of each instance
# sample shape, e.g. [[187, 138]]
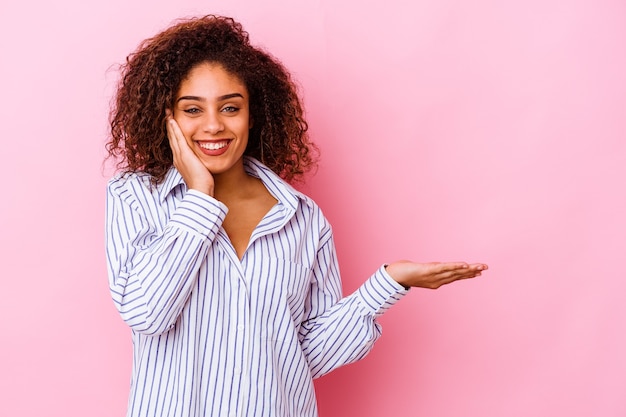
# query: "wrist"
[[207, 189], [393, 273]]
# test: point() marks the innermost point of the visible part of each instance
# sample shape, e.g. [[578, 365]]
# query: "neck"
[[232, 184]]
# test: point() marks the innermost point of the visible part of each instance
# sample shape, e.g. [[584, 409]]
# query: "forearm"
[[347, 331], [152, 272]]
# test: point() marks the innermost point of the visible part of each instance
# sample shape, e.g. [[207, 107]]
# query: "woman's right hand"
[[195, 174]]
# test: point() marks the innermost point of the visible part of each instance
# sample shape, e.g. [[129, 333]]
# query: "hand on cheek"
[[195, 174]]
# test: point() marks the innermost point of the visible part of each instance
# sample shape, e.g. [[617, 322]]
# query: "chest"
[[243, 218], [269, 284]]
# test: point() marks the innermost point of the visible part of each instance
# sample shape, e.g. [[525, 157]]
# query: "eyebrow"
[[220, 98]]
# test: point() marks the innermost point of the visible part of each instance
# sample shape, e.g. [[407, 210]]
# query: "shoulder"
[[307, 203], [134, 189], [309, 211], [142, 182], [304, 207], [128, 182]]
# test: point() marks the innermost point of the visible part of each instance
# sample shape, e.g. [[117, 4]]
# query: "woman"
[[227, 275]]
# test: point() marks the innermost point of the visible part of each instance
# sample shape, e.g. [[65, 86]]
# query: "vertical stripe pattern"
[[217, 336]]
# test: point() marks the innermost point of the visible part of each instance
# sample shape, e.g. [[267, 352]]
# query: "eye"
[[192, 110], [230, 109]]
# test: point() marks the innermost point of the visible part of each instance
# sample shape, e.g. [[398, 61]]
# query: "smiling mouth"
[[214, 146]]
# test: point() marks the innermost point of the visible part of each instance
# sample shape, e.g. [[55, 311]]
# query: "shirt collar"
[[279, 188], [172, 180]]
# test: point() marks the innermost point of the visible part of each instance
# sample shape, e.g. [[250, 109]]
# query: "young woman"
[[226, 274]]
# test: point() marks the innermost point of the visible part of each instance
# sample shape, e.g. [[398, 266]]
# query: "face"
[[212, 110]]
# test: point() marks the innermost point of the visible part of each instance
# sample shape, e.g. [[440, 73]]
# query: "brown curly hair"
[[152, 75]]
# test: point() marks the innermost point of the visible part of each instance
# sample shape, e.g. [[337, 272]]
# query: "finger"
[[460, 266], [178, 134], [181, 142], [443, 267], [462, 273], [481, 267], [181, 150], [171, 135], [455, 278], [450, 268]]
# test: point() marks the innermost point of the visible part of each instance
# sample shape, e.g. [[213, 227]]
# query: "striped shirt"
[[214, 335]]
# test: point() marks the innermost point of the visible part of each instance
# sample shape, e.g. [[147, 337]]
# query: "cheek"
[[243, 124], [186, 126]]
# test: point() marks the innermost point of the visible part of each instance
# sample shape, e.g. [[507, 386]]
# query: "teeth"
[[213, 146]]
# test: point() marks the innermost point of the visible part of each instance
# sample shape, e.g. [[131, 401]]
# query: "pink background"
[[451, 130]]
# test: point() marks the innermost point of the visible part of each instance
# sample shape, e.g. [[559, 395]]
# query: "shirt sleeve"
[[152, 266], [338, 331]]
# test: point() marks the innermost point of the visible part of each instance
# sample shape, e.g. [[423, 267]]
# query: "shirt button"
[[240, 327], [237, 370], [232, 414]]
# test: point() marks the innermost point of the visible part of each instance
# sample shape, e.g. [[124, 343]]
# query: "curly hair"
[[151, 77]]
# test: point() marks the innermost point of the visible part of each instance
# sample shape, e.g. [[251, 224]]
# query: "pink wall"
[[487, 131]]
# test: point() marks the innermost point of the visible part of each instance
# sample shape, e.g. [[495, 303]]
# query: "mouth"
[[214, 147]]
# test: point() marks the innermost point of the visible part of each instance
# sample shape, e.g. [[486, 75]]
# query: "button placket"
[[242, 329]]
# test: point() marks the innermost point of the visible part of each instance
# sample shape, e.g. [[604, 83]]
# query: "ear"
[[250, 122]]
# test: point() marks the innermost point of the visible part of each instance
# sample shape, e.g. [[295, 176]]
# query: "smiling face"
[[212, 110]]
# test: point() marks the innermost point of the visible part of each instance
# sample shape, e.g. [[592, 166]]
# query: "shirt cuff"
[[200, 213], [381, 292]]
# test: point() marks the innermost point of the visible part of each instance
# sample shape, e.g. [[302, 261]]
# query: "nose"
[[212, 123]]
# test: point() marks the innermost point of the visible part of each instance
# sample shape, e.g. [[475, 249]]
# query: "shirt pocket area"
[[281, 288]]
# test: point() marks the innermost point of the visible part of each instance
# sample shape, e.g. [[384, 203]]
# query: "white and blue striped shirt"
[[217, 336]]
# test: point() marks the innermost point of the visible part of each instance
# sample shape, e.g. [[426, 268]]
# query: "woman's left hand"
[[432, 275]]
